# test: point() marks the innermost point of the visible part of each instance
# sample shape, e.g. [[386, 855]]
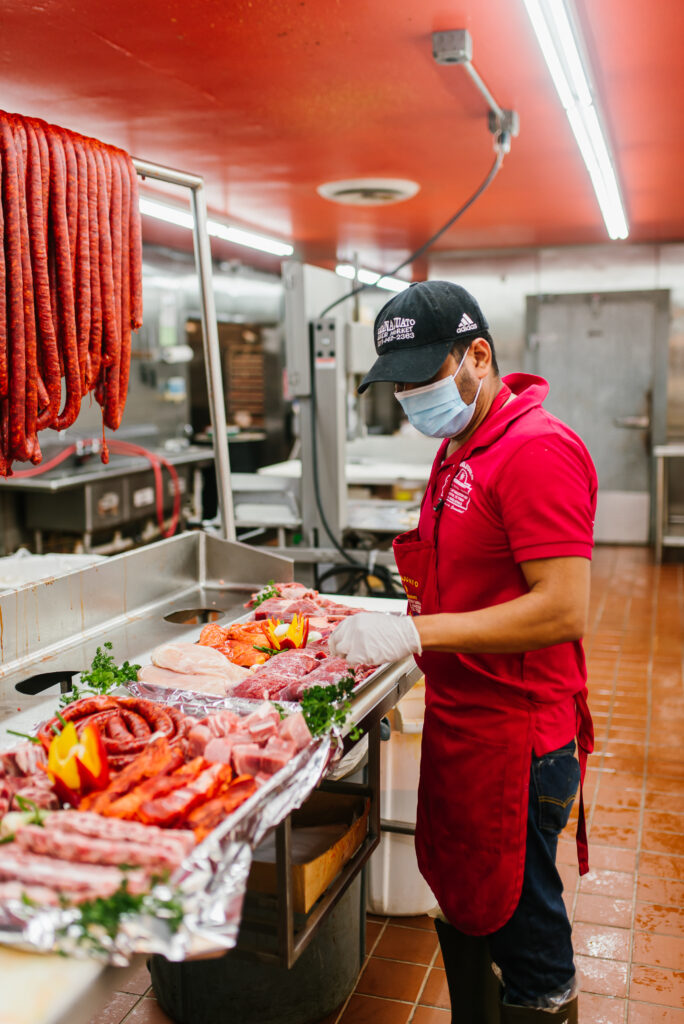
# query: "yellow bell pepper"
[[77, 764], [296, 635]]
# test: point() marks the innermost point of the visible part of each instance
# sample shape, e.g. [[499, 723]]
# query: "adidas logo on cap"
[[466, 324]]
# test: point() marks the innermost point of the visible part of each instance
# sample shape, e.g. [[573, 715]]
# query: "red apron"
[[476, 753]]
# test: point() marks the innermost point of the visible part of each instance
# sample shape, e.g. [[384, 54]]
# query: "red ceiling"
[[269, 98]]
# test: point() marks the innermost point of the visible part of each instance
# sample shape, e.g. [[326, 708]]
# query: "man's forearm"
[[527, 623]]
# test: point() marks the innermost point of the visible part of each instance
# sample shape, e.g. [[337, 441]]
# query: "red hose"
[[127, 448], [44, 466], [156, 461]]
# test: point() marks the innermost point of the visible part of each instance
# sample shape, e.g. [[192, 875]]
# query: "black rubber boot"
[[566, 1014], [474, 989]]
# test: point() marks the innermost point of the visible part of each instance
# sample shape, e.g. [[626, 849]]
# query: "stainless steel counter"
[[66, 477], [669, 532], [56, 625], [50, 626], [92, 501]]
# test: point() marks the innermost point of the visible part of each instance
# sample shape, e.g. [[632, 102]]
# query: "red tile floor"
[[628, 912]]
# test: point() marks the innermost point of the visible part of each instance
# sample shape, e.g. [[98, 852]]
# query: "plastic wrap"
[[210, 883]]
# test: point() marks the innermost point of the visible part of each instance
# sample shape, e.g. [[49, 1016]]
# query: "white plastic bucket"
[[395, 885]]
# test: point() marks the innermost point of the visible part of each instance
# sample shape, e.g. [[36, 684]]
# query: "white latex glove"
[[372, 638]]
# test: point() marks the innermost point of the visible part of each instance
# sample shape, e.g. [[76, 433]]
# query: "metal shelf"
[[667, 533]]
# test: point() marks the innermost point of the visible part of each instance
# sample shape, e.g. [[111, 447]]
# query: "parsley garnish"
[[24, 736], [263, 595], [102, 677], [327, 708], [26, 805], [102, 917]]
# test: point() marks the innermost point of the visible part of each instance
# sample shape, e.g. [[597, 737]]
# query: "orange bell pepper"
[[77, 764]]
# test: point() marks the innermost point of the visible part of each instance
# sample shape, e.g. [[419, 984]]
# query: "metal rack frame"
[[210, 341], [291, 943], [668, 530]]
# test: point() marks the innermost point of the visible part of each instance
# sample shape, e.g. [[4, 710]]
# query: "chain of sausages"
[[125, 724], [70, 280]]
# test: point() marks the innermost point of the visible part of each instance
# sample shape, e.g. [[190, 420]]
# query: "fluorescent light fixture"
[[162, 211], [390, 284], [562, 48], [239, 287], [346, 270], [182, 218], [253, 241], [393, 284]]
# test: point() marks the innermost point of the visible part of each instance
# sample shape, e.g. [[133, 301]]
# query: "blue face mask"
[[438, 410]]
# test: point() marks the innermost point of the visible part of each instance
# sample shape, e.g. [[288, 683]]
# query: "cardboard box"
[[326, 833]]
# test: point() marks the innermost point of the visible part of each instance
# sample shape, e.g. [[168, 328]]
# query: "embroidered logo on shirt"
[[458, 497]]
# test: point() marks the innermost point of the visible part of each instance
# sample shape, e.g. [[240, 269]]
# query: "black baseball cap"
[[415, 331]]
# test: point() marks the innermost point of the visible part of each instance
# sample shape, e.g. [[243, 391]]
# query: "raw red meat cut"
[[222, 723], [285, 608], [36, 893], [262, 723], [276, 755], [247, 758], [327, 673], [38, 789], [295, 729], [88, 824], [219, 750], [289, 590], [198, 737], [281, 670], [71, 846], [93, 879]]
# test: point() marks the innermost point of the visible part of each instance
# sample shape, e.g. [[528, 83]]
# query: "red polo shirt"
[[524, 488]]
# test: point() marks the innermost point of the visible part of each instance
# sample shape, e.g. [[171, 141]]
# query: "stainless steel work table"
[[667, 533], [64, 478], [92, 497], [55, 626], [362, 472]]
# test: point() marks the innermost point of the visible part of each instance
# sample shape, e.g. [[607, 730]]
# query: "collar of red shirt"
[[530, 392]]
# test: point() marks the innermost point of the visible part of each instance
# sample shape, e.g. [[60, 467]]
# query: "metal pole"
[[660, 508], [210, 342], [212, 360], [491, 102], [160, 173]]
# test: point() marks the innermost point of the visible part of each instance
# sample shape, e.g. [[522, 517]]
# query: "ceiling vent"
[[369, 191]]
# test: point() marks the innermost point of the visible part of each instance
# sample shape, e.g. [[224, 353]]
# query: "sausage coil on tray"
[[70, 281]]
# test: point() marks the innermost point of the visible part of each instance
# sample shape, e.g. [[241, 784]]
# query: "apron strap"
[[585, 745]]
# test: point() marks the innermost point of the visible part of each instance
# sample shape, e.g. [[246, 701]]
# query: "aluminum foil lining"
[[191, 702], [210, 883]]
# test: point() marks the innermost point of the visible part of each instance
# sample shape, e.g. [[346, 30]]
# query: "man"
[[497, 578]]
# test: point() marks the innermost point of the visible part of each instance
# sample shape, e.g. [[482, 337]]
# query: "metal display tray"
[[377, 604], [137, 601]]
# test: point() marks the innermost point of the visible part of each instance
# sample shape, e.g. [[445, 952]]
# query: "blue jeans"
[[534, 947]]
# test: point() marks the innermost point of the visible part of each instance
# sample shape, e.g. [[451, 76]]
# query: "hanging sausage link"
[[70, 280]]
